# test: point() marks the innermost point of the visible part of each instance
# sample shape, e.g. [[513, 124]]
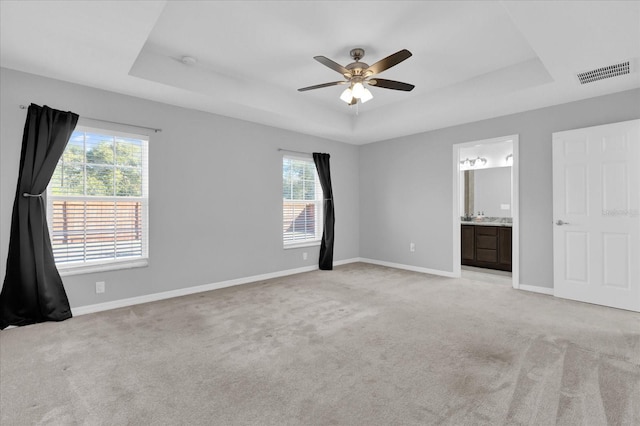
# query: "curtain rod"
[[295, 152], [113, 122]]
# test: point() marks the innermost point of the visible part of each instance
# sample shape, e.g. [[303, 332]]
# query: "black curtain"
[[32, 291], [326, 247]]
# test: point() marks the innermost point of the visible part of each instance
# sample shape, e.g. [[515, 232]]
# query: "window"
[[302, 201], [97, 202]]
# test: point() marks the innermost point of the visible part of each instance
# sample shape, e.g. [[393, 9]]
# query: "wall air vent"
[[604, 72]]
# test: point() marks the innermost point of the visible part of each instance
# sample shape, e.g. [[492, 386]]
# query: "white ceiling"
[[471, 60]]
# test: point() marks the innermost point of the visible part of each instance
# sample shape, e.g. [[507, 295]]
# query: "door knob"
[[560, 223]]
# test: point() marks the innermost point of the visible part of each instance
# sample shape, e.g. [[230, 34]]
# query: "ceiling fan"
[[357, 74]]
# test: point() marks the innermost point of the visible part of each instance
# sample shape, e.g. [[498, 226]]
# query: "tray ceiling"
[[471, 60]]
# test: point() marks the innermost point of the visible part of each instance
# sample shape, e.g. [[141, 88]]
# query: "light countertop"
[[487, 223]]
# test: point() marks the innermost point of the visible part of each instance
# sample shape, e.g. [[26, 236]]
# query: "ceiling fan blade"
[[320, 86], [333, 65], [388, 62], [391, 84]]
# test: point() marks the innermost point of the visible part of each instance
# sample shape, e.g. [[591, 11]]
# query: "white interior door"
[[596, 213]]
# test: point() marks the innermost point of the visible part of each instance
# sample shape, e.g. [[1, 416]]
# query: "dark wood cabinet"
[[504, 248], [486, 246], [468, 243]]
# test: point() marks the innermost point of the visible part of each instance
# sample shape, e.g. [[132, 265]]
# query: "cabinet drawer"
[[487, 242], [486, 230], [484, 255]]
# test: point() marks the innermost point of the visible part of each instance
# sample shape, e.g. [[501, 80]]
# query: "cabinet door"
[[467, 245], [505, 247]]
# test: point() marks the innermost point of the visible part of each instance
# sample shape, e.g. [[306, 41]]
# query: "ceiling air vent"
[[604, 72]]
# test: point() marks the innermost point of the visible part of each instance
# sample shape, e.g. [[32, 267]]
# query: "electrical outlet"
[[100, 287], [304, 256], [412, 247]]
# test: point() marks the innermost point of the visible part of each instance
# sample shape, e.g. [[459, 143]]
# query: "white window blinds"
[[302, 201], [98, 199]]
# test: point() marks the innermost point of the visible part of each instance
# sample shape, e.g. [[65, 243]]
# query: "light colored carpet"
[[360, 345], [487, 275]]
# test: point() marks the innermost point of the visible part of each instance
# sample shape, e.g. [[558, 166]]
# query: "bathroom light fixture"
[[509, 159], [473, 163], [480, 160]]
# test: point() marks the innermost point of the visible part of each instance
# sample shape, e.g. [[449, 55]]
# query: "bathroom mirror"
[[486, 190]]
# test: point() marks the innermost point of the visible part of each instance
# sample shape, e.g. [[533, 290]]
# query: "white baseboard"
[[409, 267], [536, 289], [88, 309], [346, 261], [98, 307]]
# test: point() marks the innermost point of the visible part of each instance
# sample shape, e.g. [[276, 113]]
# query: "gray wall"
[[406, 186], [209, 175], [215, 190]]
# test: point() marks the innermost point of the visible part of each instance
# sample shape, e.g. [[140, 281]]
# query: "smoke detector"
[[610, 71], [188, 60]]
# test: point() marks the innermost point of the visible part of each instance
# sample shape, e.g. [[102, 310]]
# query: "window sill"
[[102, 267], [300, 245]]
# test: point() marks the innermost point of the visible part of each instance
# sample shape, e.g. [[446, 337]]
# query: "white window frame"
[[319, 207], [100, 265]]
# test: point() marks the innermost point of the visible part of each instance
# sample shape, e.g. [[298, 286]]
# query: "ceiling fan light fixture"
[[366, 95], [358, 90], [347, 95], [358, 73]]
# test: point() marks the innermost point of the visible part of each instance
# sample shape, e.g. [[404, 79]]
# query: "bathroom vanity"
[[486, 244]]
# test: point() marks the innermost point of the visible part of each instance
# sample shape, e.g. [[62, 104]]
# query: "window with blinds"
[[97, 201], [302, 201]]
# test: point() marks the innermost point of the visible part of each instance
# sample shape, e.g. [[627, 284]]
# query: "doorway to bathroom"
[[485, 210]]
